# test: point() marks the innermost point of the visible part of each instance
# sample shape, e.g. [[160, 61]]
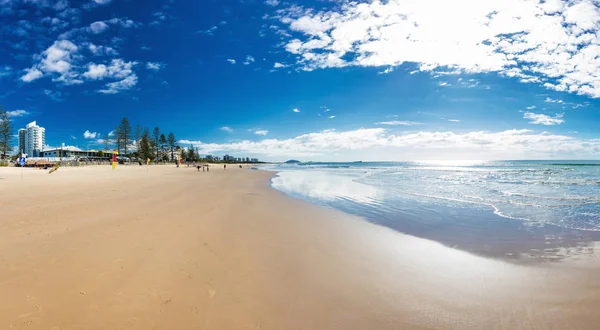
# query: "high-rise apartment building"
[[32, 139]]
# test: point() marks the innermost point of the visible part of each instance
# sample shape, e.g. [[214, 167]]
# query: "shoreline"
[[173, 248], [476, 231]]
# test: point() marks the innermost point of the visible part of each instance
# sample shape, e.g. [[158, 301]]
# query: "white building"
[[32, 139]]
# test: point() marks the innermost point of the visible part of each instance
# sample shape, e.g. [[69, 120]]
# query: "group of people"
[[205, 167]]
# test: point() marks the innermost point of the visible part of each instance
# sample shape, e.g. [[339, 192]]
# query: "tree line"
[[140, 143]]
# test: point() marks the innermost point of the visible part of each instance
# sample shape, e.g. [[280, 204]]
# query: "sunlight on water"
[[325, 186], [452, 162]]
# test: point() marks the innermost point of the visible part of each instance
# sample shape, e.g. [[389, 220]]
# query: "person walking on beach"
[[224, 167]]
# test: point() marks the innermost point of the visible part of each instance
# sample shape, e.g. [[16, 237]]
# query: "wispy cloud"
[[272, 2], [230, 60], [454, 120], [541, 119], [551, 100], [278, 65], [227, 129], [249, 60], [261, 132], [209, 32], [531, 107], [331, 117], [155, 66], [5, 71], [17, 113], [296, 110], [398, 123]]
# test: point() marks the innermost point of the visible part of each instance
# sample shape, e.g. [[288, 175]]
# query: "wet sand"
[[168, 248]]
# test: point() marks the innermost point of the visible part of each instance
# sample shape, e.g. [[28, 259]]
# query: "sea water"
[[562, 194]]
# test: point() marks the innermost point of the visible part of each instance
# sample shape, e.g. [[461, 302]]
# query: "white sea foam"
[[566, 195]]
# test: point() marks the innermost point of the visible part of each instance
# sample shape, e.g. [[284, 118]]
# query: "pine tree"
[[171, 139], [123, 132], [145, 145], [163, 145], [156, 136], [191, 155], [6, 133]]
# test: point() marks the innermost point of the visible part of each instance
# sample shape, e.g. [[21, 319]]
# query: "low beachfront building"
[[74, 152]]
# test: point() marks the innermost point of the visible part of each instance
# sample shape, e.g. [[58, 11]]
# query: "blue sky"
[[314, 80]]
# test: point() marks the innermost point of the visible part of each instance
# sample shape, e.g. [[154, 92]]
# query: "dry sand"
[[168, 248]]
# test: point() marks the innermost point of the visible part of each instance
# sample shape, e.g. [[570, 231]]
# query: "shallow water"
[[508, 207]]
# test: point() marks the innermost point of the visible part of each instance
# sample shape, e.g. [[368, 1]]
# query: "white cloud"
[[111, 134], [261, 132], [454, 120], [56, 61], [98, 27], [249, 59], [123, 22], [155, 66], [117, 69], [102, 50], [331, 117], [102, 2], [278, 65], [444, 84], [398, 123], [230, 60], [227, 129], [31, 75], [89, 135], [541, 119], [96, 71], [510, 144], [272, 2], [551, 43], [531, 107], [296, 110], [119, 86], [17, 113]]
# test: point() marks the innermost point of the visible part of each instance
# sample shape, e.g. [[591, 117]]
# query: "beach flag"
[[114, 160], [147, 161]]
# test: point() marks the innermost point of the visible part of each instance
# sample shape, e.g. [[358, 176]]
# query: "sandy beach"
[[161, 247]]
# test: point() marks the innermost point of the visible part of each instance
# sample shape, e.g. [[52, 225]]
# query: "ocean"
[[508, 208]]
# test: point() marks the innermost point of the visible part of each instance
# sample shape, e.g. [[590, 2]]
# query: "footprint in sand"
[[212, 293]]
